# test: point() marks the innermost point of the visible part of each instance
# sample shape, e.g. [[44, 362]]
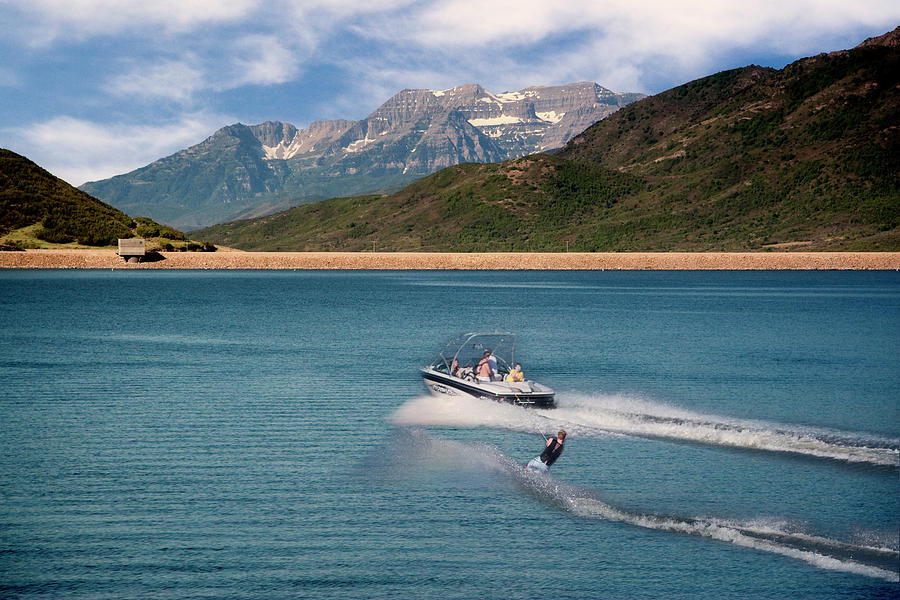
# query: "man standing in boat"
[[485, 370], [551, 452]]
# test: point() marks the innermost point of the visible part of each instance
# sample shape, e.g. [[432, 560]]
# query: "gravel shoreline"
[[108, 259]]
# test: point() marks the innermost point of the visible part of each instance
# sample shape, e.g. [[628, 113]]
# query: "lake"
[[266, 434]]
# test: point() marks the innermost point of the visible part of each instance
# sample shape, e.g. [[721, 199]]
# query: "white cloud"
[[249, 60], [626, 45], [495, 23], [77, 151], [262, 60], [52, 19], [172, 80], [504, 23], [268, 42], [622, 41]]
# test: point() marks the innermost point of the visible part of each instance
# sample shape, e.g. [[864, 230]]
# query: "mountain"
[[30, 195], [806, 157], [244, 171], [34, 204]]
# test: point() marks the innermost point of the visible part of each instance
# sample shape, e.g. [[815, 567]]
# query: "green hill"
[[753, 157], [530, 203], [39, 209], [750, 159]]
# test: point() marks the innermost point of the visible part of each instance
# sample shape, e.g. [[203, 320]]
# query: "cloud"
[[170, 79], [262, 60], [623, 40], [249, 60], [136, 72], [500, 23], [77, 150], [53, 19], [347, 10], [664, 25]]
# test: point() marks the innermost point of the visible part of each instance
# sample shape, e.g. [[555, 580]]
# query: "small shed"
[[132, 249]]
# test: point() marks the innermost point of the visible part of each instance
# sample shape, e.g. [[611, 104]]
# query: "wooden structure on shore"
[[132, 249]]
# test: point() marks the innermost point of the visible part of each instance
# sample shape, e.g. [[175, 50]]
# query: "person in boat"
[[492, 361], [483, 371], [454, 368], [551, 452], [516, 374]]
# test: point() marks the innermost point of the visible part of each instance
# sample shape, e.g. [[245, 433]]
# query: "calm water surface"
[[265, 435]]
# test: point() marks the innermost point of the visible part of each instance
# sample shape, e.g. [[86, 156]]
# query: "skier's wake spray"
[[874, 559]]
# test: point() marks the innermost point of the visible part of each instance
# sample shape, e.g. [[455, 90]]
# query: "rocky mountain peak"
[[272, 133], [890, 39], [245, 170]]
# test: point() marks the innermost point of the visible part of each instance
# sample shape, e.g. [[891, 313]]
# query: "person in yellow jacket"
[[516, 374]]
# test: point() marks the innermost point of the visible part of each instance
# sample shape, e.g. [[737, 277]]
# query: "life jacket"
[[551, 452], [515, 376]]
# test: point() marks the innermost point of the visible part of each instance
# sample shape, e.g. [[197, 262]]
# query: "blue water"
[[218, 434]]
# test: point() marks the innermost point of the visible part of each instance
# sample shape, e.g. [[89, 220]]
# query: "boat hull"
[[528, 394]]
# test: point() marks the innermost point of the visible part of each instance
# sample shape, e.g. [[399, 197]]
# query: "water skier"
[[551, 452]]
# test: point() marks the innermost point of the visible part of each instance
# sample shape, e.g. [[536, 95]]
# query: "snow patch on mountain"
[[551, 116], [507, 97], [359, 144], [284, 150], [501, 120]]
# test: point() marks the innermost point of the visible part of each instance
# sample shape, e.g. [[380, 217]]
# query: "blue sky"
[[94, 88]]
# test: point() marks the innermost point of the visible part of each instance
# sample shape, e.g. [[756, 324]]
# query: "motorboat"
[[453, 372]]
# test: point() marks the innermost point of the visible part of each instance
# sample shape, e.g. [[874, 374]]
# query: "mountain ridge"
[[804, 157], [248, 170]]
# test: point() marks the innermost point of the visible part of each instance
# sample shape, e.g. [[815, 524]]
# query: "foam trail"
[[467, 412], [619, 415], [814, 550], [641, 418], [864, 559]]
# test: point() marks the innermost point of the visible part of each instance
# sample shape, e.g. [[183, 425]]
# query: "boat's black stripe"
[[524, 398]]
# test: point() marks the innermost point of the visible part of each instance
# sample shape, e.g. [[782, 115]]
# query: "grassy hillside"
[[805, 157], [39, 210], [531, 203], [754, 157], [30, 195]]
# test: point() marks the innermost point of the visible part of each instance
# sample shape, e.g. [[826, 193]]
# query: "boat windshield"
[[469, 348]]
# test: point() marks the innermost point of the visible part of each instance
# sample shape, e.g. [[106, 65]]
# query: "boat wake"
[[872, 561], [877, 558], [620, 415]]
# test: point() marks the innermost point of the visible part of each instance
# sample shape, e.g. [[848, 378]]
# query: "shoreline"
[[628, 261]]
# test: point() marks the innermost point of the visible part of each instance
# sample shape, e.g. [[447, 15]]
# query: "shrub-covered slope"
[[755, 156], [51, 210], [29, 195]]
